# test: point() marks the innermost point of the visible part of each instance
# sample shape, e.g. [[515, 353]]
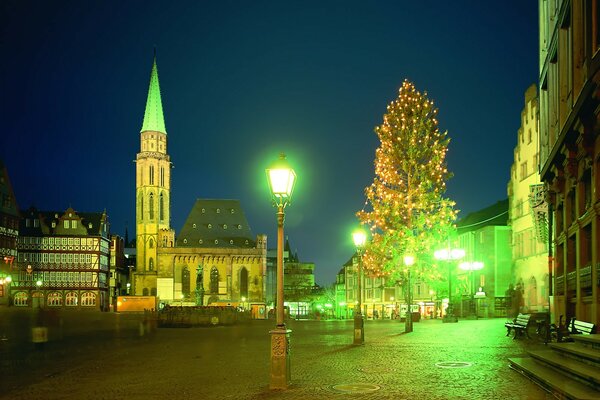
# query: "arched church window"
[[244, 282], [185, 281], [161, 208], [151, 264], [214, 280], [151, 206], [152, 174], [151, 244]]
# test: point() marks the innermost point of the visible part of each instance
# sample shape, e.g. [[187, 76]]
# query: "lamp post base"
[[359, 329], [280, 358]]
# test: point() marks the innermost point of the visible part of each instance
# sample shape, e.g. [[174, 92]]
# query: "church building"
[[215, 259]]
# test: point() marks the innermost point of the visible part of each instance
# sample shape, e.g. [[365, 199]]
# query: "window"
[[244, 282], [54, 299], [151, 244], [20, 299], [162, 176], [74, 224], [151, 264], [71, 299], [151, 206], [523, 170], [88, 299], [185, 281], [152, 175], [161, 208], [66, 224], [36, 223], [214, 280], [529, 136]]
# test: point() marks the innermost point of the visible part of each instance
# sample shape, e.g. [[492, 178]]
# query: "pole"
[[280, 310], [359, 321], [408, 325], [280, 336]]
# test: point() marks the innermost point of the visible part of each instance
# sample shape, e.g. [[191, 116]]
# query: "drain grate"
[[355, 388], [453, 364]]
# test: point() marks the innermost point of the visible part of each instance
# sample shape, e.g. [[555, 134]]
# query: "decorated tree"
[[406, 209]]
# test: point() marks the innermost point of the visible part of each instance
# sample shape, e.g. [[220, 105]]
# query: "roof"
[[494, 215], [153, 115], [216, 223], [8, 203], [51, 223]]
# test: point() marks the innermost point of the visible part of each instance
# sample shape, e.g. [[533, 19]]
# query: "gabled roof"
[[153, 115], [51, 223], [8, 203], [216, 223], [494, 215]]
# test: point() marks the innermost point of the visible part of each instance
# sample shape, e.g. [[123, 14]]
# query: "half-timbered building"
[[63, 260]]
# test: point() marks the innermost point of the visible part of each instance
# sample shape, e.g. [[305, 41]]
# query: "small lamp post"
[[449, 255], [471, 266], [359, 238], [408, 262], [282, 179]]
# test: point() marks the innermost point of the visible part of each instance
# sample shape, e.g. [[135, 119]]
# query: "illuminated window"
[[71, 299], [54, 299], [66, 224], [74, 224], [88, 299], [20, 299]]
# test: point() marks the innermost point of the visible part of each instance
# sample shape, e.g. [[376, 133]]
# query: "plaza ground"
[[464, 360]]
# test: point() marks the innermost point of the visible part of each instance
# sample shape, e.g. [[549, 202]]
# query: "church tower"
[[153, 192]]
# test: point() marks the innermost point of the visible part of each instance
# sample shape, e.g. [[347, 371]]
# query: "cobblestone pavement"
[[466, 360]]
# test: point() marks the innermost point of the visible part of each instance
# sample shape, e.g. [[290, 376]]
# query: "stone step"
[[592, 340], [552, 380], [581, 370], [578, 350]]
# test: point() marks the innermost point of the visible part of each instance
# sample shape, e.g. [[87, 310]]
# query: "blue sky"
[[242, 81]]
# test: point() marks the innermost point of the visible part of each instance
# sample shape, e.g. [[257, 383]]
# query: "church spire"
[[153, 116]]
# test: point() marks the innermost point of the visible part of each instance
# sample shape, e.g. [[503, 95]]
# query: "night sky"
[[242, 81]]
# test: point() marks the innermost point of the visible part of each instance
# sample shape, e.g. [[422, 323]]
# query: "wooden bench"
[[518, 325], [581, 327]]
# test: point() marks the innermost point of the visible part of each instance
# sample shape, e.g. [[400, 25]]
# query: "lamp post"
[[359, 238], [408, 262], [282, 179], [471, 266], [449, 255]]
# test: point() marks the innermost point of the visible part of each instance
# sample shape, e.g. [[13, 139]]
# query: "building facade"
[[570, 151], [63, 260], [527, 212], [486, 239], [215, 259], [9, 231]]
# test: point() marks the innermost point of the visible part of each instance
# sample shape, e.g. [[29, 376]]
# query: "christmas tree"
[[406, 210]]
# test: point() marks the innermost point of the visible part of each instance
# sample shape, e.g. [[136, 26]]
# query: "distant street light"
[[359, 238], [282, 180], [449, 255]]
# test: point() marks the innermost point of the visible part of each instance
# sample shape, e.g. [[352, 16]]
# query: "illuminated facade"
[[63, 260], [9, 231], [215, 259], [526, 206], [486, 238], [378, 300], [570, 151]]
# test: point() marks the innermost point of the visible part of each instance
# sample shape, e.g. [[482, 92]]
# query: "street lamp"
[[408, 262], [282, 179], [471, 266], [359, 238], [449, 255]]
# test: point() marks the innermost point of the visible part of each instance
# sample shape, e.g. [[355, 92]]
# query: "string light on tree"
[[405, 206]]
